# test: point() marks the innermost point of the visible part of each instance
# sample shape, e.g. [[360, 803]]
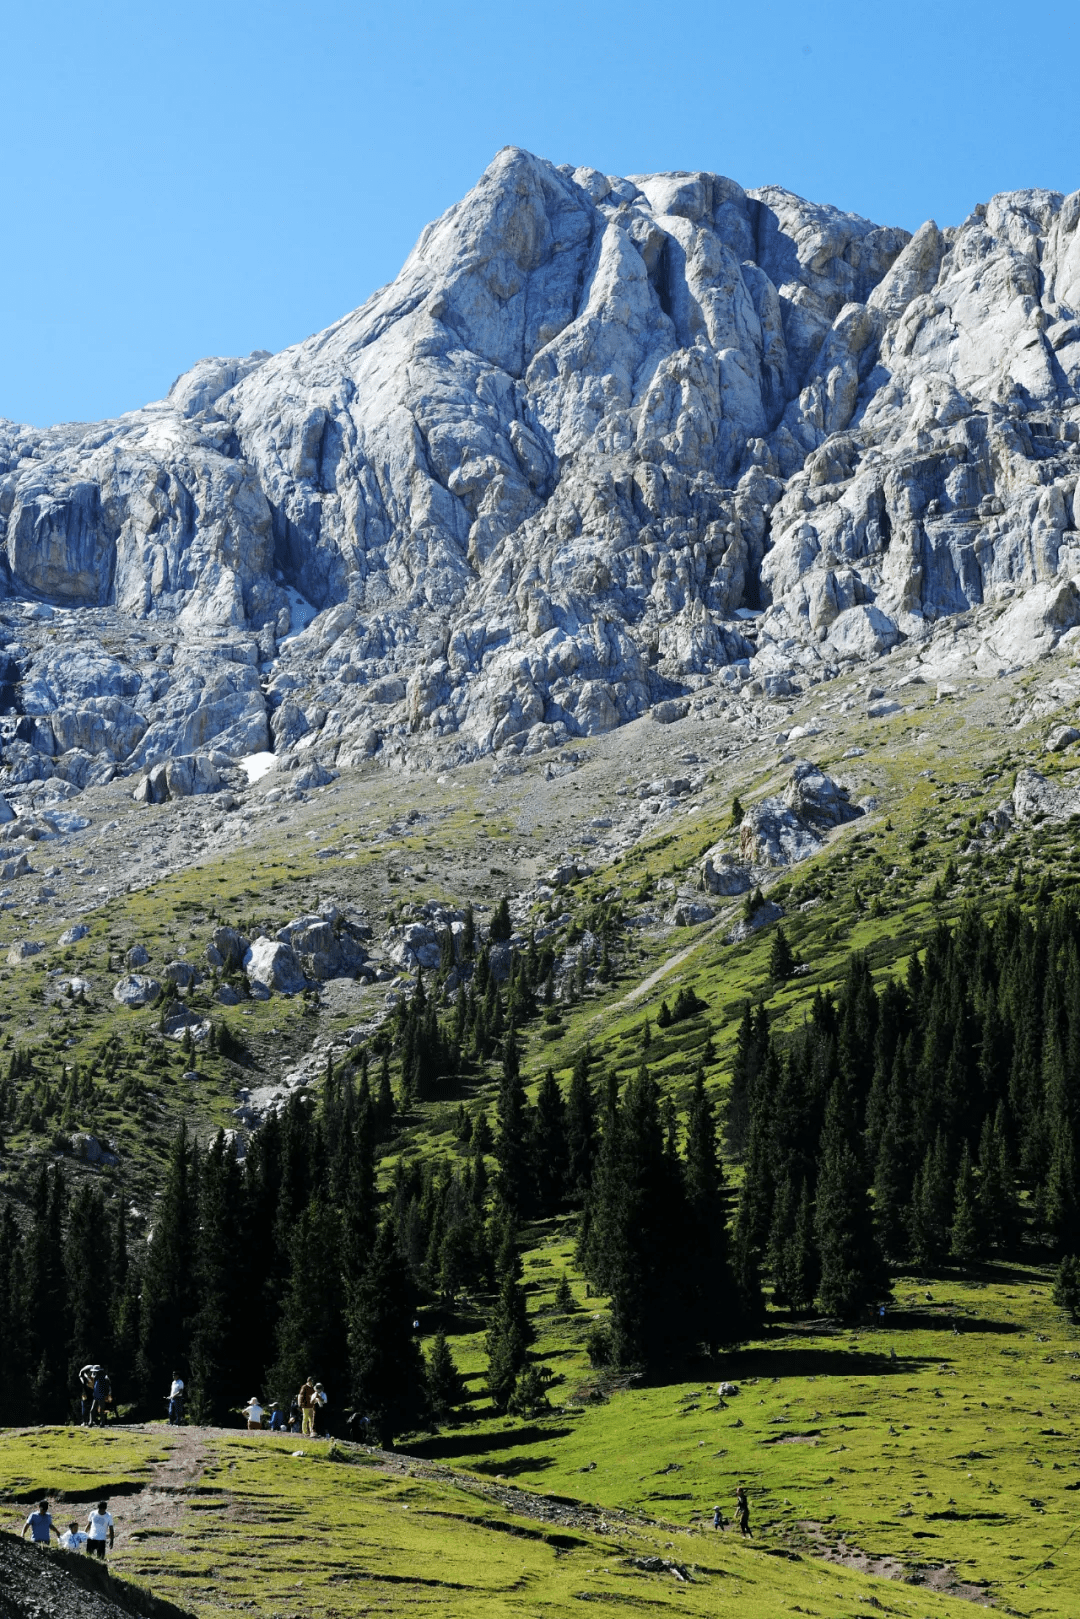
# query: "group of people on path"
[[305, 1409], [99, 1530]]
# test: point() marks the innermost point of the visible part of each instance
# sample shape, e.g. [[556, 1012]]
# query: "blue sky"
[[183, 178]]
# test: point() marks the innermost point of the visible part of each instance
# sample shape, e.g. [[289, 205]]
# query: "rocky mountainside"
[[603, 445]]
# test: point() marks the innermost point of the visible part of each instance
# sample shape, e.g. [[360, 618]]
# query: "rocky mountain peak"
[[603, 443]]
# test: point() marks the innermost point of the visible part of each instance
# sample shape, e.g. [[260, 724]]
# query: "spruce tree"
[[714, 1312], [388, 1380], [509, 1333], [781, 957], [548, 1147], [513, 1130], [852, 1273], [167, 1291], [638, 1211], [930, 1213], [581, 1131], [311, 1329], [965, 1235], [446, 1386], [221, 1350], [47, 1300]]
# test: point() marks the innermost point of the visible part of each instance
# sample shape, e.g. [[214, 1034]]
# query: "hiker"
[[277, 1421], [717, 1518], [102, 1398], [99, 1525], [294, 1414], [175, 1398], [253, 1412], [86, 1393], [73, 1539], [305, 1400], [319, 1405], [40, 1525], [742, 1511]]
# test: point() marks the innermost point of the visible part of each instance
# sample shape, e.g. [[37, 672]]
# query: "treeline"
[[901, 1126], [256, 1274]]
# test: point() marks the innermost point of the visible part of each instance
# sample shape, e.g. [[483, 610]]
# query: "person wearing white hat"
[[253, 1411]]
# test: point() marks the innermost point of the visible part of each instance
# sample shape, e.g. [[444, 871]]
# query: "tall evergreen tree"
[[547, 1146], [714, 1309], [852, 1274], [388, 1380], [168, 1281]]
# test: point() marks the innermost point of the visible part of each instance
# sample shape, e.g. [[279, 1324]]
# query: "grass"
[[264, 1529]]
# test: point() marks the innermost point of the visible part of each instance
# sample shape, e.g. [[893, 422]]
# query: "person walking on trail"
[[717, 1518], [253, 1411], [294, 1414], [306, 1401], [175, 1398], [40, 1525], [102, 1397], [318, 1407], [99, 1527], [86, 1393], [73, 1539], [742, 1512]]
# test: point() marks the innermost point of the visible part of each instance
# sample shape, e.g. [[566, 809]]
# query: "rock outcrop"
[[601, 438]]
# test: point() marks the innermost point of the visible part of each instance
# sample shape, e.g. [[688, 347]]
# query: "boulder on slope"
[[272, 964]]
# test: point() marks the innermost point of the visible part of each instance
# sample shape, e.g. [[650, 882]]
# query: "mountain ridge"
[[603, 443]]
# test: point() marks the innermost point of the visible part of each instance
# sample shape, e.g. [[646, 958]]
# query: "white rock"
[[271, 965], [136, 989], [73, 934]]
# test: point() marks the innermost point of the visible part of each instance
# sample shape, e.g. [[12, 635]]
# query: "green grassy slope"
[[258, 1528]]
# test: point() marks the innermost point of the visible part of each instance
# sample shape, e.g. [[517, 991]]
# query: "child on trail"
[[253, 1412], [717, 1518], [73, 1539], [40, 1525], [277, 1421], [742, 1511], [306, 1401], [294, 1414], [99, 1525]]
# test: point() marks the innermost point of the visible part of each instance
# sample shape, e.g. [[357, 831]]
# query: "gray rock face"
[[136, 989], [601, 437], [271, 965], [781, 830]]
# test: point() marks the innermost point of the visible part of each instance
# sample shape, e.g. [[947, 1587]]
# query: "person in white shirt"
[[176, 1401], [73, 1539], [99, 1525], [253, 1412]]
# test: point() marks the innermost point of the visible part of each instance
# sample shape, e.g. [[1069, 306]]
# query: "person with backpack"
[[99, 1525], [102, 1398], [86, 1393]]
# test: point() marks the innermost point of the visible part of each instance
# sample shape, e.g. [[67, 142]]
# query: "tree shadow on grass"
[[443, 1446], [516, 1465], [792, 1360]]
